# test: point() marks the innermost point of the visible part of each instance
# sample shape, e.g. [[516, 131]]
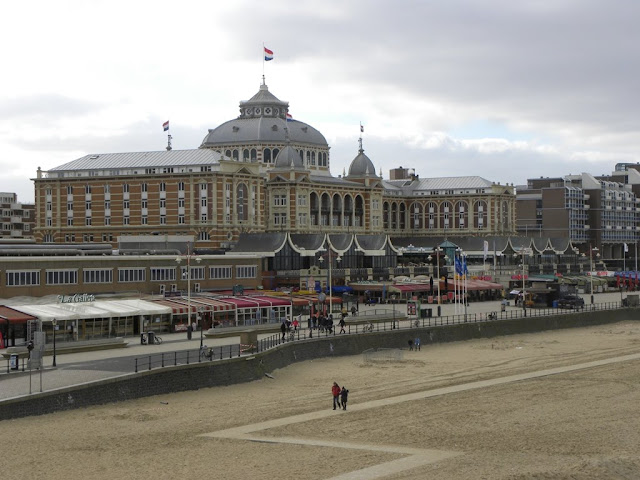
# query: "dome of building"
[[362, 166], [262, 120], [288, 158]]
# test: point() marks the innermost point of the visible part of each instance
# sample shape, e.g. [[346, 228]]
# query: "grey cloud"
[[46, 105]]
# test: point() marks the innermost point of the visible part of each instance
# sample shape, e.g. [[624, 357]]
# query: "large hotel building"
[[258, 173]]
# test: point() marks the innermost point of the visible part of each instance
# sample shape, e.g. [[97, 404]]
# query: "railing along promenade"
[[369, 322]]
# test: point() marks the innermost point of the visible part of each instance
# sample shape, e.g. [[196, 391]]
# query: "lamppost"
[[524, 292], [437, 251], [187, 275], [55, 325], [591, 250], [321, 260]]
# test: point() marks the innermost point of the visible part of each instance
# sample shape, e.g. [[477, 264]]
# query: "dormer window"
[[235, 129]]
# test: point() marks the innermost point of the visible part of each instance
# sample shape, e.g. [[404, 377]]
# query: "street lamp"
[[591, 250], [55, 324], [524, 292], [321, 260], [437, 251], [187, 274]]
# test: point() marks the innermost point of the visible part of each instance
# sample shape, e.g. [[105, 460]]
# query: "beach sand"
[[423, 416]]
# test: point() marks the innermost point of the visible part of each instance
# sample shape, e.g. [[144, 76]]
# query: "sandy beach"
[[551, 405]]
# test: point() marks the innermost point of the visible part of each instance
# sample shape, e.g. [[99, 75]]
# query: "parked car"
[[571, 301]]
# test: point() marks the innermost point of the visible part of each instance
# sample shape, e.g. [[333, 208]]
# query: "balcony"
[[16, 220]]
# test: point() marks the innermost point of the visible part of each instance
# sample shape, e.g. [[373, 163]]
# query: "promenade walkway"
[[79, 368]]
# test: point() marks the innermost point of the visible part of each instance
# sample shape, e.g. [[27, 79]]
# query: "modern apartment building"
[[18, 219]]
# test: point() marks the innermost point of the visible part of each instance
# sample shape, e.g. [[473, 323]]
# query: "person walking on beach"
[[335, 391], [416, 343], [344, 393]]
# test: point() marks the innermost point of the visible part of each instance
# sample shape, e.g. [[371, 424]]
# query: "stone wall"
[[245, 369]]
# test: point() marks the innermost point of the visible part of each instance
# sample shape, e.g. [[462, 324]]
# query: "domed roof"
[[362, 166], [263, 119], [288, 158]]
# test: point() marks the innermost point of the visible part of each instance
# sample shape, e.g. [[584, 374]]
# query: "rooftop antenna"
[[169, 143], [360, 139]]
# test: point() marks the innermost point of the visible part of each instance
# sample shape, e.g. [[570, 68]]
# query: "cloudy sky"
[[504, 89]]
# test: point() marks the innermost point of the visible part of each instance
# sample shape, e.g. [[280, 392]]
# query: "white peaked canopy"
[[97, 309]]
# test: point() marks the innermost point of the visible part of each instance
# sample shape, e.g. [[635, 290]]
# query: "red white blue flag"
[[268, 54], [165, 125], [289, 117]]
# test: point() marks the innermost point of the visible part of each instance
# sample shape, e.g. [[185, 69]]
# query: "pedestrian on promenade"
[[416, 343], [283, 329], [344, 393], [335, 391], [342, 324], [295, 324], [353, 310]]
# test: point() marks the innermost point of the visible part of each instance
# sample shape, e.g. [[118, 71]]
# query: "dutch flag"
[[268, 54], [165, 125], [289, 117]]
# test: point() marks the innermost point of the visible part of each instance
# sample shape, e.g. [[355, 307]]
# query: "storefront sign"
[[77, 298]]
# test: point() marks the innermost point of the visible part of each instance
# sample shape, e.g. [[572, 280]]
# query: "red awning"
[[240, 302], [177, 307], [275, 301], [408, 288], [14, 316], [210, 304]]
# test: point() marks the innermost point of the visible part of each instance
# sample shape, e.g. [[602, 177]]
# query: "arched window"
[[313, 158], [385, 215], [276, 151], [227, 153], [480, 215], [433, 213], [402, 218], [245, 155], [314, 208], [336, 211], [254, 155], [266, 156], [462, 215], [445, 215], [415, 213], [236, 155]]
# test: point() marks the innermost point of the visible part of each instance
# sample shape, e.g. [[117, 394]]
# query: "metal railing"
[[370, 326]]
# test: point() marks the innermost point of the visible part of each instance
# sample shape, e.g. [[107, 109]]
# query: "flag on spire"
[[165, 125], [361, 128], [268, 54]]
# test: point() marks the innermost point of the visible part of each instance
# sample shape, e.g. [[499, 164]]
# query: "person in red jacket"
[[335, 390]]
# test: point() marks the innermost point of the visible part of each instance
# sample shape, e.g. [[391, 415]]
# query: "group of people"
[[340, 396], [285, 326], [414, 344]]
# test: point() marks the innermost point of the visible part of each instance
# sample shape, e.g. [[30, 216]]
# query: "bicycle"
[[368, 327], [206, 352], [156, 340], [416, 323]]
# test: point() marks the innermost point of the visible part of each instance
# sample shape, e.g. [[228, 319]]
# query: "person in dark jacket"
[[344, 393], [283, 329]]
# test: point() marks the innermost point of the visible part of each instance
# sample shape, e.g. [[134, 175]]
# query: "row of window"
[[20, 278]]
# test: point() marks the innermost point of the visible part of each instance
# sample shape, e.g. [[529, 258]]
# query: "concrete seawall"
[[244, 369]]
